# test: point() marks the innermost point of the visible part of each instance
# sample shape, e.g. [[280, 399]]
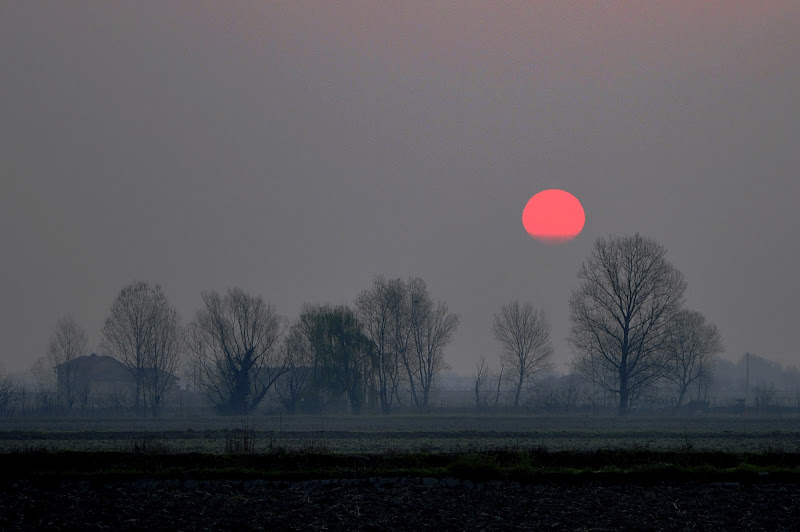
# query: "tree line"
[[629, 332], [385, 349]]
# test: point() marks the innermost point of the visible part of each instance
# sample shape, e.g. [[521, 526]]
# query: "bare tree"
[[383, 311], [763, 397], [488, 385], [299, 362], [126, 332], [693, 349], [482, 390], [524, 335], [165, 353], [499, 379], [573, 391], [143, 331], [45, 386], [68, 341], [621, 315], [9, 391], [235, 339], [432, 327]]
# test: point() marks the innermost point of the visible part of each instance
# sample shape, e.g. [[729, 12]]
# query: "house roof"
[[98, 367], [105, 367]]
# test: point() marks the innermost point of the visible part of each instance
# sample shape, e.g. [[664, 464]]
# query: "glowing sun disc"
[[553, 216]]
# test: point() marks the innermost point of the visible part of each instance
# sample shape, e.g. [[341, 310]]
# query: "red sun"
[[553, 216]]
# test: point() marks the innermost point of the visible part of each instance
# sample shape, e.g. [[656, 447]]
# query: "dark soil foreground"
[[399, 504]]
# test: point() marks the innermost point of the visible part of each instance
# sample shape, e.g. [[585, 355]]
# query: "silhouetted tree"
[[383, 311], [524, 335], [763, 397], [165, 353], [431, 327], [487, 385], [9, 391], [68, 341], [621, 314], [143, 331], [45, 387], [235, 339], [299, 363], [342, 353], [481, 389], [693, 348]]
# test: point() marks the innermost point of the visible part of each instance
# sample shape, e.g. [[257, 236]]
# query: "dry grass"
[[242, 440]]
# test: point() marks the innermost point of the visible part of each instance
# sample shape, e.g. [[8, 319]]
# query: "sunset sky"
[[297, 149]]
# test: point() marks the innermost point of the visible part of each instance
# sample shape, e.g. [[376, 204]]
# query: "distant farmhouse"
[[95, 375], [100, 376]]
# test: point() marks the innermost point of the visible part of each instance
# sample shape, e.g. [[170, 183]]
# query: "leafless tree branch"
[[621, 315], [524, 335]]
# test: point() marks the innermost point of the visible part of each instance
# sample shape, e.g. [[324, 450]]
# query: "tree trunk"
[[623, 395], [680, 397]]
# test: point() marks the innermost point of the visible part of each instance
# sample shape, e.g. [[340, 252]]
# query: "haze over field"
[[297, 149]]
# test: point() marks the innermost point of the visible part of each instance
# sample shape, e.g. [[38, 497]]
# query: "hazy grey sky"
[[296, 149]]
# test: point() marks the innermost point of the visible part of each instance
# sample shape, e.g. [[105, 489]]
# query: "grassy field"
[[372, 435], [508, 448]]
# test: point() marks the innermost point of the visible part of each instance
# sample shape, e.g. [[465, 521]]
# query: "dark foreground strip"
[[396, 504], [528, 467]]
